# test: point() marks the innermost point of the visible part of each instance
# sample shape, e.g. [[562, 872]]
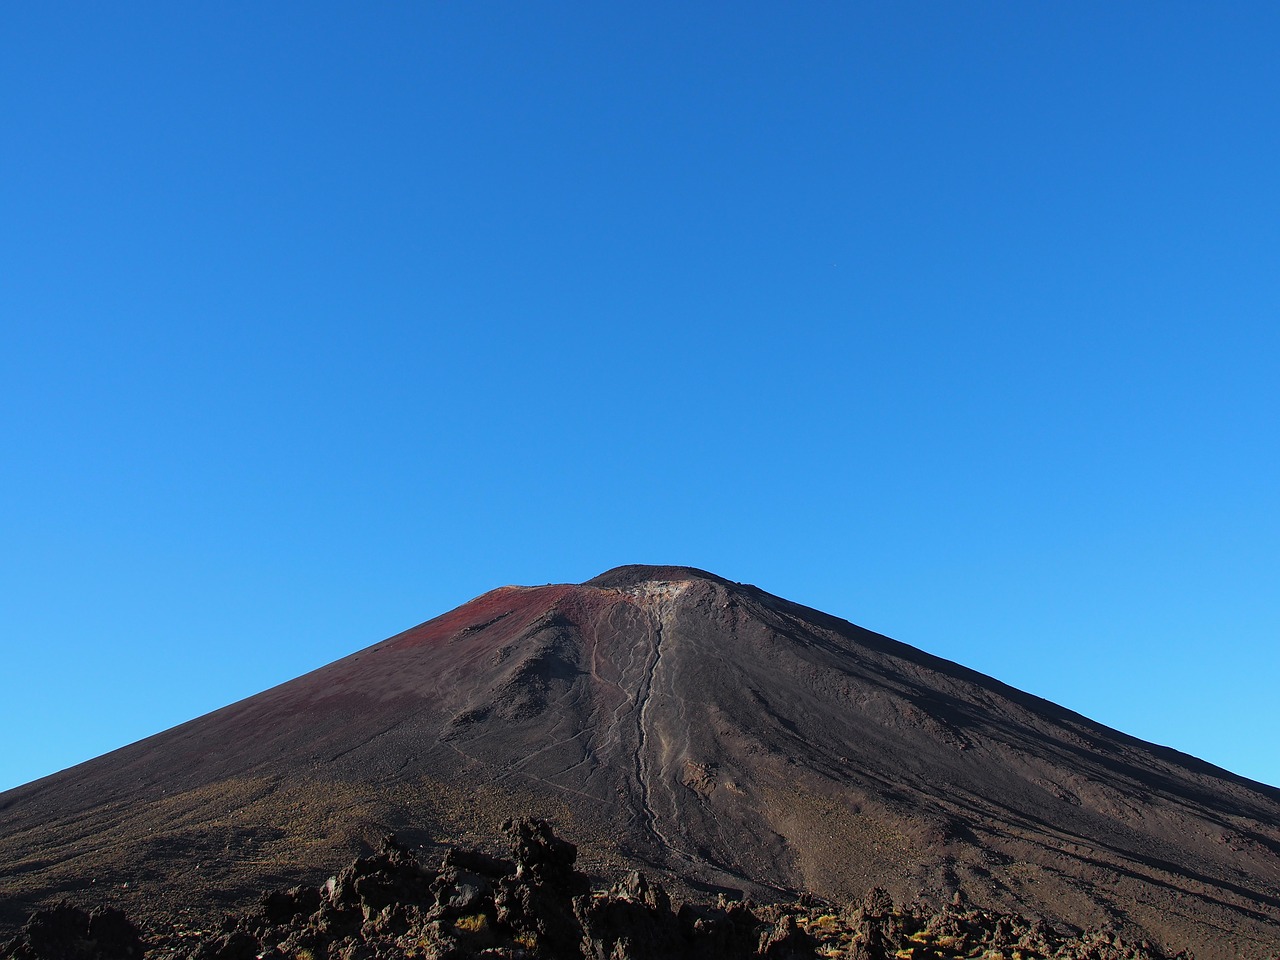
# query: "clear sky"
[[958, 320]]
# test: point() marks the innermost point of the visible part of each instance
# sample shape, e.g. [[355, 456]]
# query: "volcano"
[[715, 736]]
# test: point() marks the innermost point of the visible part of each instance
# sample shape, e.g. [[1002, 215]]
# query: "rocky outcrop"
[[66, 932], [536, 906]]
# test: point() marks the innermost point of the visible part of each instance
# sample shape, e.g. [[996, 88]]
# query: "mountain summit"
[[707, 732]]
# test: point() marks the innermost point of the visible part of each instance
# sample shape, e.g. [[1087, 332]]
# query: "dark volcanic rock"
[[65, 932], [537, 901], [634, 919], [555, 917], [706, 733]]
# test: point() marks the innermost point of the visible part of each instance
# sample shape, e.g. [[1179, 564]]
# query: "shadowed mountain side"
[[671, 720]]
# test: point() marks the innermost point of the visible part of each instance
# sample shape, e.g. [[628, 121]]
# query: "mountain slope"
[[670, 719]]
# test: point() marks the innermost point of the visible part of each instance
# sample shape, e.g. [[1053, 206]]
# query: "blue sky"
[[955, 320]]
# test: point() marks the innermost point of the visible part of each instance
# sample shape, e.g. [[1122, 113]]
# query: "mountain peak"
[[634, 574]]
